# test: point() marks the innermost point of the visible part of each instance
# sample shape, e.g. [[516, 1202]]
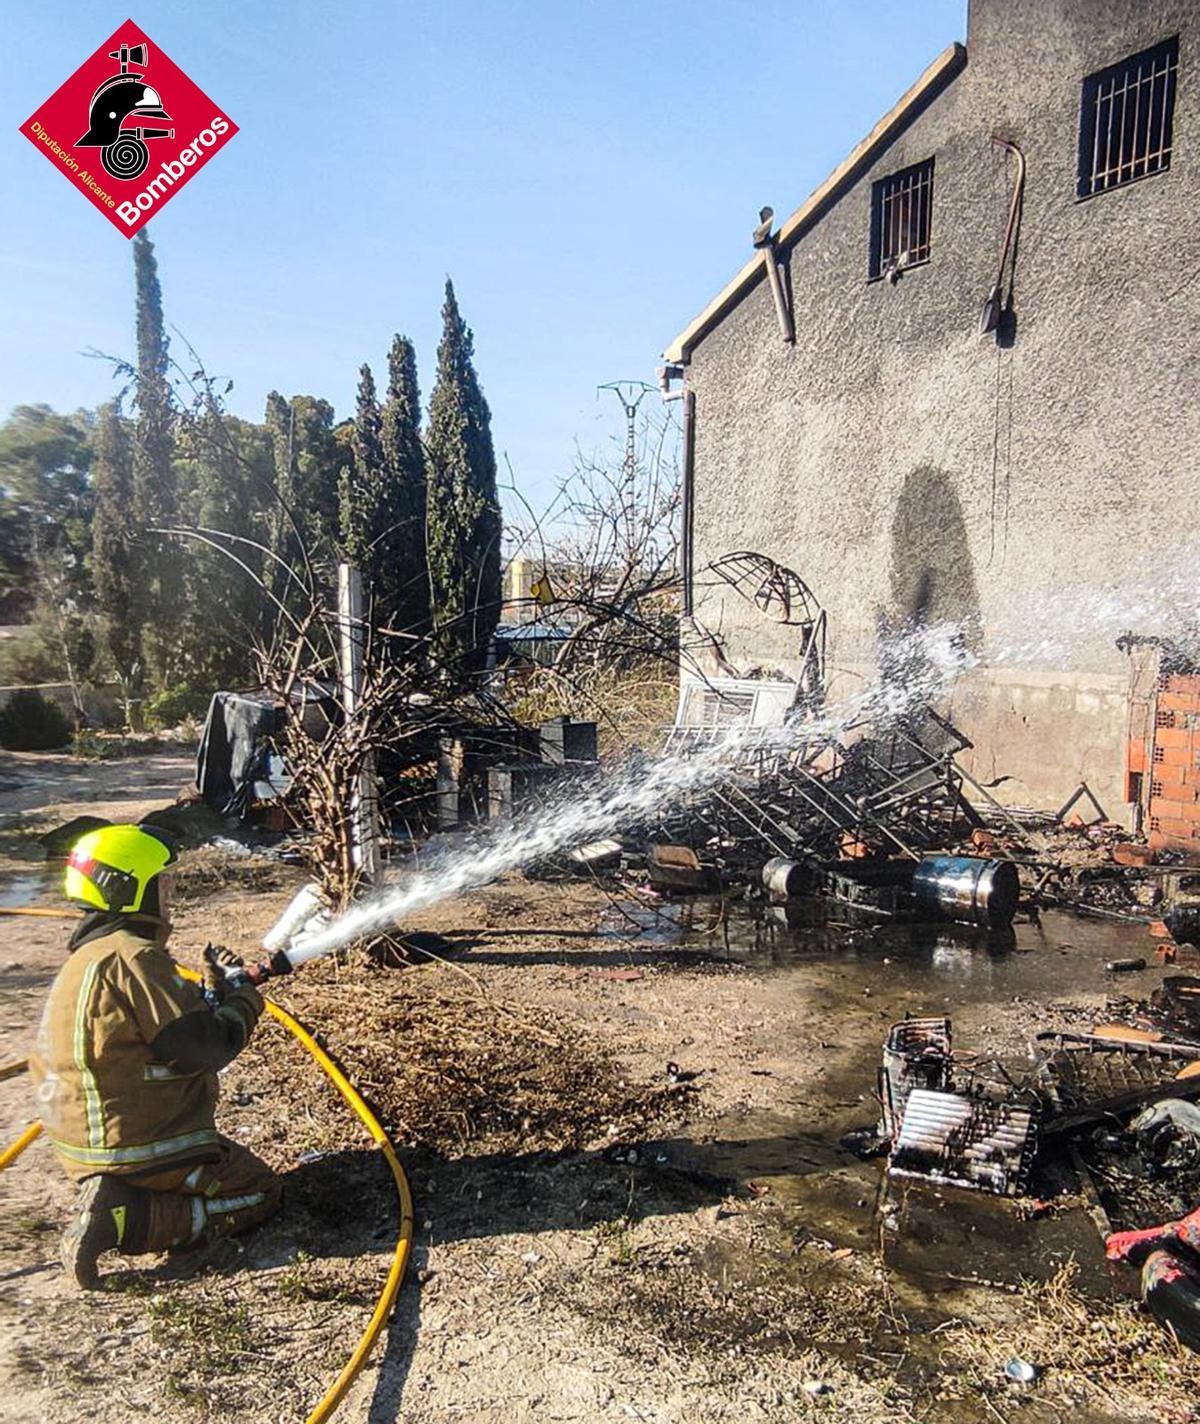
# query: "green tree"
[[224, 470], [116, 557], [361, 484], [405, 598], [382, 497], [307, 455], [282, 536], [15, 575], [46, 502], [463, 510], [154, 487]]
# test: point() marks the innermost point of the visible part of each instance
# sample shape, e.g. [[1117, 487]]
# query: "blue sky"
[[589, 175]]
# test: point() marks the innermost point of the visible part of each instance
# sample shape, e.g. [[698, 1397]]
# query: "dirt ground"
[[599, 1237], [50, 787]]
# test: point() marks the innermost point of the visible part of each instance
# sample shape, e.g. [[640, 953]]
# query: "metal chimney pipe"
[[764, 240], [688, 499]]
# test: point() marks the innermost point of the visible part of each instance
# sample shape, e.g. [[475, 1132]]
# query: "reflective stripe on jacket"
[[107, 1103]]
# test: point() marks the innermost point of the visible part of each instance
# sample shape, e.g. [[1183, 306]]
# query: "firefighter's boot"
[[108, 1215]]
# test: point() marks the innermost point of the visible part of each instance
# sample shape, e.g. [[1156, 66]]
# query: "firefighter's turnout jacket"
[[127, 1058]]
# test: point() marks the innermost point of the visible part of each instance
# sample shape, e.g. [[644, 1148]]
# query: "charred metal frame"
[[966, 1142]]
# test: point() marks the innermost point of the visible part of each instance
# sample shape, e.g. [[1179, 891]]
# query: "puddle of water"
[[651, 925], [936, 1239], [823, 955], [17, 891], [1060, 954]]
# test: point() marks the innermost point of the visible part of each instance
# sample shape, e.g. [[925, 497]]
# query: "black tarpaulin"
[[235, 749]]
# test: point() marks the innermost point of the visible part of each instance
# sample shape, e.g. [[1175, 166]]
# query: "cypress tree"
[[224, 464], [154, 493], [304, 515], [361, 485], [281, 537], [116, 562], [351, 543], [463, 510], [406, 596], [365, 442], [382, 496]]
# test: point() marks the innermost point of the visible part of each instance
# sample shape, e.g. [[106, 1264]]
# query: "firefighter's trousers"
[[187, 1205]]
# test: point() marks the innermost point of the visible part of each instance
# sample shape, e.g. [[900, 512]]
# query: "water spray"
[[924, 662]]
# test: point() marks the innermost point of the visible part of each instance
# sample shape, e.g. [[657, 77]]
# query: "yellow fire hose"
[[337, 1391], [33, 911], [14, 1149]]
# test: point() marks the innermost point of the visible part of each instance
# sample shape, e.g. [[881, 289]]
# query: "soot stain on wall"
[[932, 572]]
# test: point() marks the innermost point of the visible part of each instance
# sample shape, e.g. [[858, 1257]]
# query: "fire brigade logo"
[[129, 128]]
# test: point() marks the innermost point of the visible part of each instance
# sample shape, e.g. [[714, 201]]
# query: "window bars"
[[1126, 118], [901, 212]]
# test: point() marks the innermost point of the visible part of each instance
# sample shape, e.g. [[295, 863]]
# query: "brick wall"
[[1172, 765]]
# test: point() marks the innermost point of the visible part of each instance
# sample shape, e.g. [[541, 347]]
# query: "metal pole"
[[688, 500], [631, 395], [364, 806], [764, 240], [784, 317]]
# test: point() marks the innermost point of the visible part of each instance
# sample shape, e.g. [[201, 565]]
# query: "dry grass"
[[1110, 1355], [802, 1337], [216, 1345], [23, 1228], [450, 1069], [210, 870], [732, 1299]]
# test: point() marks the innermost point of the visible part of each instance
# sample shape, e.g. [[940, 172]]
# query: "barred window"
[[901, 209], [1125, 119]]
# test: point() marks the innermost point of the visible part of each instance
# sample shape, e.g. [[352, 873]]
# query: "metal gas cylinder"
[[961, 887], [782, 878]]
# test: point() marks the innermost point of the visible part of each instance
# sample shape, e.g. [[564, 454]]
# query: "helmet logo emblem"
[[125, 152]]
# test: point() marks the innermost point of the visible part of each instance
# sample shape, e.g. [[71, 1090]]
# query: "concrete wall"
[[907, 467]]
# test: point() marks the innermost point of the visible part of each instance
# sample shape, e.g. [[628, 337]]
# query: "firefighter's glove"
[[246, 999], [224, 971]]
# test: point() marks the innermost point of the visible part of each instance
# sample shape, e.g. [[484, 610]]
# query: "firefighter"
[[126, 1067]]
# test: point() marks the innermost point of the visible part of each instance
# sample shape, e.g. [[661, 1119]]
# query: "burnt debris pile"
[[885, 817], [1109, 1119]]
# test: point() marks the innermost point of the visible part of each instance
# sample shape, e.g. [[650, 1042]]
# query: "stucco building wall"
[[905, 466]]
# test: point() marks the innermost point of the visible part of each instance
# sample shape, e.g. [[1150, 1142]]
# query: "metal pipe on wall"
[[782, 313], [764, 239], [685, 533], [990, 319]]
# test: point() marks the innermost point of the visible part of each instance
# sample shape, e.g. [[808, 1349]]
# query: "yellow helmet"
[[110, 869]]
